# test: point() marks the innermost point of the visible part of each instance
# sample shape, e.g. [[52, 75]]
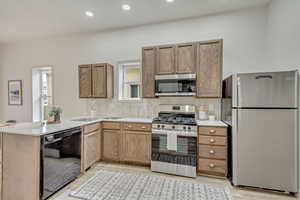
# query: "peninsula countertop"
[[37, 129]]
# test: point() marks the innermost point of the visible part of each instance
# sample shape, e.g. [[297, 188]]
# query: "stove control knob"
[[162, 126], [184, 128], [173, 127], [189, 128], [158, 126]]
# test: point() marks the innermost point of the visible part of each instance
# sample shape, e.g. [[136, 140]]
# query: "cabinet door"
[[85, 81], [99, 80], [165, 60], [186, 58], [148, 72], [91, 149], [111, 145], [209, 70], [137, 147]]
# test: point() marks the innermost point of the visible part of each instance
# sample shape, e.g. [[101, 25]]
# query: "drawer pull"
[[129, 126], [143, 127], [212, 131], [211, 165], [211, 140], [211, 152]]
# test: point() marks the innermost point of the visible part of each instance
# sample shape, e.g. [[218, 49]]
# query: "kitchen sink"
[[86, 119], [112, 118]]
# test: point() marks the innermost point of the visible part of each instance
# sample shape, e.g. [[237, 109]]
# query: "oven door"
[[61, 160], [186, 153], [175, 85]]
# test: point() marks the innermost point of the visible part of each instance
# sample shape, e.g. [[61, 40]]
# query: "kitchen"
[[66, 54]]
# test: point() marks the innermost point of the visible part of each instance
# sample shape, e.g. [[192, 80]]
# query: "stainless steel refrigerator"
[[262, 111]]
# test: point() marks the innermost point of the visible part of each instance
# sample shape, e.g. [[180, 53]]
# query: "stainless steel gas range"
[[174, 140]]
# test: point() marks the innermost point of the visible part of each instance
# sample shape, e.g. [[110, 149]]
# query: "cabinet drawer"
[[218, 131], [91, 128], [212, 140], [137, 127], [210, 165], [112, 125], [212, 152]]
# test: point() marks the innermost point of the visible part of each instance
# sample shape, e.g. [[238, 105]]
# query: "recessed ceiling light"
[[170, 1], [89, 13], [126, 7]]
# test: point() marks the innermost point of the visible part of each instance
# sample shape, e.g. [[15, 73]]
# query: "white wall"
[[244, 37], [283, 34]]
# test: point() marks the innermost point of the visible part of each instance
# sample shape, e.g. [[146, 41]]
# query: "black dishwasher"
[[60, 160]]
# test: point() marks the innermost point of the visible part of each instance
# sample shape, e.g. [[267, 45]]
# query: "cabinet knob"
[[212, 131], [211, 140], [211, 152], [211, 165]]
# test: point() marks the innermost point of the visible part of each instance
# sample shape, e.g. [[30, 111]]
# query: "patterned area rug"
[[109, 185]]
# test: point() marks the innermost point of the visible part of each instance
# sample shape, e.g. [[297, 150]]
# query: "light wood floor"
[[237, 193]]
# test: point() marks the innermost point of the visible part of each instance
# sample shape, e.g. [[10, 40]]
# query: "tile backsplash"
[[146, 108]]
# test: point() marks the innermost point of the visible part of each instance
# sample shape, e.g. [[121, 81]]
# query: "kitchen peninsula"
[[127, 140]]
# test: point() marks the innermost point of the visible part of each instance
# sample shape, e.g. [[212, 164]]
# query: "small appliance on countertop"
[[174, 140]]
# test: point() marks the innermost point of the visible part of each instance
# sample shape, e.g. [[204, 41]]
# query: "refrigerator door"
[[265, 149], [267, 90]]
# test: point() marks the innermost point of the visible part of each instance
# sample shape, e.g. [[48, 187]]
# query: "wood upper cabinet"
[[186, 58], [91, 148], [137, 147], [111, 145], [148, 72], [85, 81], [99, 80], [96, 81], [209, 69], [165, 60]]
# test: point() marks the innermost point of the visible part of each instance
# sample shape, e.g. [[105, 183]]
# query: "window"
[[129, 81], [41, 92]]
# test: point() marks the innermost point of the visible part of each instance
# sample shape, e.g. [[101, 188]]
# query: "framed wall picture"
[[15, 92]]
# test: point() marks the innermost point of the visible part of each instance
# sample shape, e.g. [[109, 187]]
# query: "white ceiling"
[[28, 19]]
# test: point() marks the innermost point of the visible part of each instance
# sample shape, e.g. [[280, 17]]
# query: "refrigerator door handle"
[[264, 77]]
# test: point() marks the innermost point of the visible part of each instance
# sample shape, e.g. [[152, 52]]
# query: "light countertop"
[[36, 129], [211, 123]]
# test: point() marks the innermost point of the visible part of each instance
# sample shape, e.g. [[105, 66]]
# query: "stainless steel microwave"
[[175, 85]]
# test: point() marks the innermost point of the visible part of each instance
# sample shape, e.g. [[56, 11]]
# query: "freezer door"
[[267, 90], [265, 144]]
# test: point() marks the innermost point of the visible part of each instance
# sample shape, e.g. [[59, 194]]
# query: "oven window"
[[159, 143], [174, 86], [186, 145]]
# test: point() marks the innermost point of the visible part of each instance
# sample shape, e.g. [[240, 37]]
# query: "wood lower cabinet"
[[21, 167], [209, 69], [96, 81], [91, 144], [148, 72], [91, 148], [212, 151], [186, 58], [137, 147], [111, 145]]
